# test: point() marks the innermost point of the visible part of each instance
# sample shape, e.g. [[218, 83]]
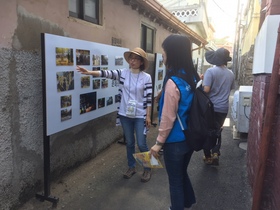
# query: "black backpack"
[[201, 132]]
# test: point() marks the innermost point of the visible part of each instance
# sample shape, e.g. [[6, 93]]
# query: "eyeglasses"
[[134, 58]]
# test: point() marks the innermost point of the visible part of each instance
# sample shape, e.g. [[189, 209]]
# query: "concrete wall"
[[21, 114], [251, 25], [270, 194]]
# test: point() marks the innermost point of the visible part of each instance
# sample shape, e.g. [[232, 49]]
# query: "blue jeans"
[[177, 157], [131, 125]]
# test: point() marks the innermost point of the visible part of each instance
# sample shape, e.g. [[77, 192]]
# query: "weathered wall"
[[21, 114], [244, 71], [270, 194], [21, 123]]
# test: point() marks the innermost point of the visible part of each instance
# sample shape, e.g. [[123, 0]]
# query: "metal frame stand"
[[46, 194]]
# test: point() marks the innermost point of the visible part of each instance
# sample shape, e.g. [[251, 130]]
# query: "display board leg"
[[46, 194], [42, 197]]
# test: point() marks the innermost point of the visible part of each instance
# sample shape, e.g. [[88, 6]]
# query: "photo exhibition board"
[[71, 97], [159, 73]]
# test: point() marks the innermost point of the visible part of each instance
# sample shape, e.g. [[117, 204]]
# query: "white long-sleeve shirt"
[[135, 86]]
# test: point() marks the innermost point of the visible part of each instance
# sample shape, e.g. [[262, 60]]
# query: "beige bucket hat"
[[141, 53]]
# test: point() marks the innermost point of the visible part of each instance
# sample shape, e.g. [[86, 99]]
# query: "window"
[[87, 10], [147, 39]]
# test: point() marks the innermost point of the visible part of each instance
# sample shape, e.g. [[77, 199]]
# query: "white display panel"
[[159, 73], [265, 45], [72, 98]]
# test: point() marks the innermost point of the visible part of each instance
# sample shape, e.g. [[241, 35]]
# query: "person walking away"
[[218, 82], [135, 104], [176, 99]]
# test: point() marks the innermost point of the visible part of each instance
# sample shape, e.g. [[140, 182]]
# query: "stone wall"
[[21, 123], [244, 75]]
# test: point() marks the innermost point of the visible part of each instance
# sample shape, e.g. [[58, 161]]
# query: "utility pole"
[[236, 43]]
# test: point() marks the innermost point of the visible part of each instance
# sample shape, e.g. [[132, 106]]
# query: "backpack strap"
[[198, 84], [177, 81], [180, 122]]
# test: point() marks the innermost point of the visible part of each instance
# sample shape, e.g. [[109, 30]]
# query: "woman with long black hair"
[[176, 100]]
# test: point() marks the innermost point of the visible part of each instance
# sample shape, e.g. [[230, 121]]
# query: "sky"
[[223, 16]]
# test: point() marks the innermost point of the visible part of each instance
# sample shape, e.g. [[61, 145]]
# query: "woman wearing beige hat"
[[134, 112]]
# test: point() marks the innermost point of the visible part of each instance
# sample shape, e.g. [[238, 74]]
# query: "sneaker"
[[146, 176], [207, 160], [129, 173], [215, 159], [122, 142]]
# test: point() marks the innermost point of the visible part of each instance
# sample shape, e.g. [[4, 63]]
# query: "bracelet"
[[159, 143]]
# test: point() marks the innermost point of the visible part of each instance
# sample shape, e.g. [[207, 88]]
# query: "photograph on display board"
[[104, 68], [159, 87], [96, 83], [95, 68], [66, 114], [66, 101], [96, 60], [115, 83], [160, 63], [117, 98], [118, 60], [65, 81], [82, 57], [160, 74], [109, 100], [87, 102], [64, 56], [101, 102], [85, 82], [104, 83], [104, 60]]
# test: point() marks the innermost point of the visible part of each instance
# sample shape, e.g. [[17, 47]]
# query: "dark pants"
[[220, 119], [176, 158]]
